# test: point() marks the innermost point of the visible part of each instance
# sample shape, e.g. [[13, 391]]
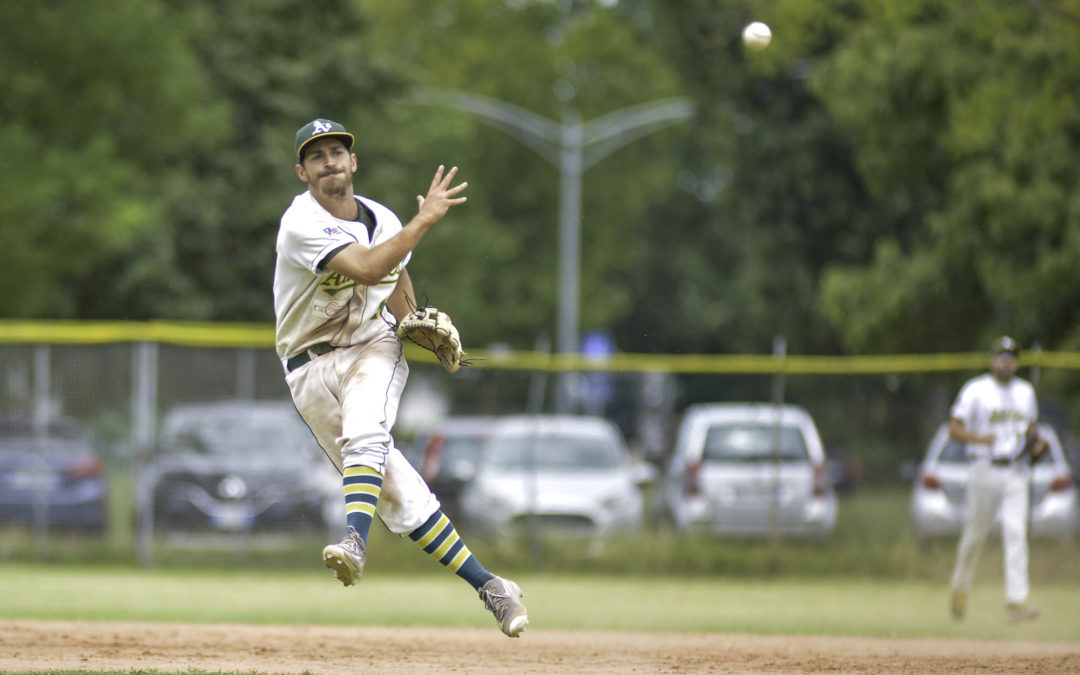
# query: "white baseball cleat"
[[347, 558], [502, 598], [1016, 612]]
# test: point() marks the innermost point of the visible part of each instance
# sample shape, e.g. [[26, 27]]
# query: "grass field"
[[790, 606], [868, 580], [873, 539]]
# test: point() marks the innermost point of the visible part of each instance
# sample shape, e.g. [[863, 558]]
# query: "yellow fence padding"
[[261, 336]]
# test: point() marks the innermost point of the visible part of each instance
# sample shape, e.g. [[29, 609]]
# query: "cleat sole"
[[343, 570]]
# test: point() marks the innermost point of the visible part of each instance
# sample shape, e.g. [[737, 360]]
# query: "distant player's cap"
[[1005, 345], [316, 129]]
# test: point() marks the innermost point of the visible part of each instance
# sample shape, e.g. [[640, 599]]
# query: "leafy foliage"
[[885, 177], [96, 141], [964, 121]]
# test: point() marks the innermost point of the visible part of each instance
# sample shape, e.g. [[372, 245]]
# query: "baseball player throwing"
[[340, 284], [995, 415]]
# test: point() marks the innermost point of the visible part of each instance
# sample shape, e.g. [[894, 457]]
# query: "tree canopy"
[[887, 176]]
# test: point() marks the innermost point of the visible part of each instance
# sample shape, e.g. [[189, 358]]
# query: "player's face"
[[1003, 366], [327, 168]]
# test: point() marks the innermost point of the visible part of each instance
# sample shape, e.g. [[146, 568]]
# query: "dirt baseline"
[[53, 645]]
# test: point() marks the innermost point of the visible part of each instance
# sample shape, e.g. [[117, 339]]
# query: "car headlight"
[[494, 503], [620, 502]]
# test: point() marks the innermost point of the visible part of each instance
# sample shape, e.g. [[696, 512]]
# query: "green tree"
[[279, 63], [493, 263], [103, 106], [964, 122], [770, 193]]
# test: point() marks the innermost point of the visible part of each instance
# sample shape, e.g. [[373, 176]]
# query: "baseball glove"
[[433, 330], [1037, 448]]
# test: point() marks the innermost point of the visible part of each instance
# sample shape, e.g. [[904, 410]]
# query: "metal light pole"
[[572, 147]]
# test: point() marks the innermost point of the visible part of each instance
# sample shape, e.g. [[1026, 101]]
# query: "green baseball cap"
[[320, 128], [1005, 344]]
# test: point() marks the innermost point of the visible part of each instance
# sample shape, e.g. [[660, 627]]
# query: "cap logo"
[[320, 127]]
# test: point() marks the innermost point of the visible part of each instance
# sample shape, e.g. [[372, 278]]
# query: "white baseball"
[[757, 35]]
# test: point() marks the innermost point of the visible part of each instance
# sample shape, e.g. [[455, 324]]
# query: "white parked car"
[[939, 494], [568, 475], [749, 469]]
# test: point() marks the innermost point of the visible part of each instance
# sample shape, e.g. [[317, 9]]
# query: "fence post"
[[245, 375], [780, 354], [40, 430], [143, 413]]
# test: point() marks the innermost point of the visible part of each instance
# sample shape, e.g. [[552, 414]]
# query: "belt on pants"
[[297, 360], [1001, 461]]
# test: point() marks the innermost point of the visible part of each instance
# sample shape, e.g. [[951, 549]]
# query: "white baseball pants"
[[349, 399], [994, 490]]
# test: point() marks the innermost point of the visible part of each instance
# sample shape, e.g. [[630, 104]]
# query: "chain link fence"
[[115, 394]]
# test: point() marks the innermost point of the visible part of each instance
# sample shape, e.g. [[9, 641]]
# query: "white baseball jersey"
[[314, 305], [349, 396], [986, 406]]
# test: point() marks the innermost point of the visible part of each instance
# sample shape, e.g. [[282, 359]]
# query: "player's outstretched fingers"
[[437, 180]]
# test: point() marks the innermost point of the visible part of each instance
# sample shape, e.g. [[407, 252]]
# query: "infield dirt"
[[52, 645]]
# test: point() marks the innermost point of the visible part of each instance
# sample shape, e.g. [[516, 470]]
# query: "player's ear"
[[302, 174]]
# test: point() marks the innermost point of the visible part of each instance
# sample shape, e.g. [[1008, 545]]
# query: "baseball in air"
[[756, 35]]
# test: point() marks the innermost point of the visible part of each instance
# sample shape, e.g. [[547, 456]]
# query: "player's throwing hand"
[[440, 196]]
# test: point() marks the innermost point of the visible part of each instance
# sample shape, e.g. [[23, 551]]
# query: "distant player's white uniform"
[[995, 484], [348, 396]]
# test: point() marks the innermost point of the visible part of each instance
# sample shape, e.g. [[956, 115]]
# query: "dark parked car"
[[239, 466], [844, 469], [447, 456], [53, 473]]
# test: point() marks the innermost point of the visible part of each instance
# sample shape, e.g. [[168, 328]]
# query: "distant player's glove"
[[433, 330], [1037, 448]]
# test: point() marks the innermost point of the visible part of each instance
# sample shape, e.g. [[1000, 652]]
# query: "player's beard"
[[337, 184], [1002, 373]]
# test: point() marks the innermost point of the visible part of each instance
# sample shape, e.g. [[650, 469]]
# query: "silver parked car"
[[570, 475], [938, 496], [749, 469]]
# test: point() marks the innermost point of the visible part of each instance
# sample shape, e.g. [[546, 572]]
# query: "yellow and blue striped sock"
[[439, 539], [362, 488]]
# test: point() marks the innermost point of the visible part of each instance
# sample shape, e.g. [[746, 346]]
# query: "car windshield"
[[263, 435], [553, 451], [753, 442], [954, 452], [462, 448]]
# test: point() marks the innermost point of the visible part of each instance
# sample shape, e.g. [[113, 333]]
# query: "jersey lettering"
[[334, 283], [1001, 416]]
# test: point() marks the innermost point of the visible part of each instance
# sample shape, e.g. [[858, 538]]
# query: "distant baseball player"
[[340, 286], [995, 414]]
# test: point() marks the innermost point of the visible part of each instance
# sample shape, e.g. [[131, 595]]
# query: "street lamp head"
[[564, 91]]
